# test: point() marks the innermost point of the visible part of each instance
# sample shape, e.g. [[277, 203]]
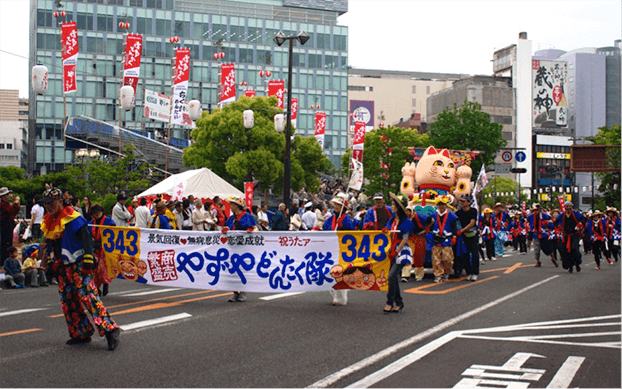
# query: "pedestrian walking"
[[572, 224], [468, 220]]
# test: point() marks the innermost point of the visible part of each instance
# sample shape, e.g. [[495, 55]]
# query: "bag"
[[502, 236], [27, 233], [438, 239], [471, 232]]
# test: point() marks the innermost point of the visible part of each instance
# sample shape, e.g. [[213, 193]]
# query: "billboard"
[[362, 111], [549, 98]]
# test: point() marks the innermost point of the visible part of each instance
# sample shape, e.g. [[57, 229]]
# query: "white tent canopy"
[[201, 183]]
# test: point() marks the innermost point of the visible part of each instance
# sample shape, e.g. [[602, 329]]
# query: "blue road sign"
[[520, 156]]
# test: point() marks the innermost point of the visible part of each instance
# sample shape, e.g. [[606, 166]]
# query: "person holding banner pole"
[[400, 254], [339, 221], [238, 221]]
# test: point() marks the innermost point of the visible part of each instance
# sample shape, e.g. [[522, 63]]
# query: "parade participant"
[[218, 213], [400, 253], [159, 219], [486, 230], [538, 223], [442, 236], [239, 220], [9, 208], [571, 222], [519, 229], [120, 214], [555, 235], [468, 220], [142, 214], [100, 275], [70, 245], [421, 225], [169, 213], [378, 216], [612, 222], [596, 229], [339, 221], [501, 219], [585, 235]]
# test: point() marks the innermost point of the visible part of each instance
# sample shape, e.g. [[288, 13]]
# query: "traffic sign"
[[506, 156], [521, 156], [518, 170]]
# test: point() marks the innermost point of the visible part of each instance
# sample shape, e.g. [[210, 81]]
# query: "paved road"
[[518, 325]]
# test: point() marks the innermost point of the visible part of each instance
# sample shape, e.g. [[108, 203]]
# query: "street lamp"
[[279, 39]]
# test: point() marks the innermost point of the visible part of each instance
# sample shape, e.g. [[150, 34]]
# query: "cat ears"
[[368, 265], [431, 151]]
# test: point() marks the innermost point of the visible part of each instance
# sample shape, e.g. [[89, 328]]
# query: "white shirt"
[[142, 215], [36, 213], [309, 220], [121, 215]]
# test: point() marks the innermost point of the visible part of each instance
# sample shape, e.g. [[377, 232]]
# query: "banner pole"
[[170, 116], [121, 84]]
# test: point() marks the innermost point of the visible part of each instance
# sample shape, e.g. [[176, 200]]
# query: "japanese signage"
[[362, 111], [320, 128], [157, 106], [356, 177], [550, 107], [272, 261], [250, 93], [294, 111], [359, 141], [553, 155], [249, 187], [133, 52], [70, 49], [227, 83], [277, 88], [179, 113]]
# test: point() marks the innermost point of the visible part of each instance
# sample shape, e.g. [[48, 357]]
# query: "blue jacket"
[[346, 224], [245, 222], [12, 266], [542, 225], [279, 222], [449, 229]]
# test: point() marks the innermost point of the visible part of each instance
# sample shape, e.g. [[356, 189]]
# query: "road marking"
[[514, 267], [18, 312], [167, 305], [20, 332], [566, 373], [152, 322], [152, 292], [279, 295], [325, 382], [419, 289], [124, 292]]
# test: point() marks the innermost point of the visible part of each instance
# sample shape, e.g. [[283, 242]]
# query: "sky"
[[443, 36]]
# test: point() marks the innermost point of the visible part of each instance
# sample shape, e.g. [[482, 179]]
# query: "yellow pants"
[[442, 260]]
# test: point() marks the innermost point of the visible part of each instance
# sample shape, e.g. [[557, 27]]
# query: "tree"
[[376, 151], [610, 182], [502, 190], [467, 127], [237, 154]]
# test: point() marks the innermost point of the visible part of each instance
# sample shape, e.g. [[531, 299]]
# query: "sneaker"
[[474, 277], [437, 279], [113, 338], [445, 277], [609, 261], [494, 258], [242, 297], [404, 279], [418, 279], [54, 282], [234, 298], [468, 277], [597, 267], [73, 341]]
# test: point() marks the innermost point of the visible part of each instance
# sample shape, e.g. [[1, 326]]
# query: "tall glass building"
[[243, 30]]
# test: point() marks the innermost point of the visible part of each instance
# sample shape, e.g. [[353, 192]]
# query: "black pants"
[[470, 259], [615, 250], [521, 242], [490, 248], [573, 257], [598, 247]]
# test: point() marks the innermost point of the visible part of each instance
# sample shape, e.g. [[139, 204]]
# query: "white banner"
[[279, 261], [356, 179], [157, 106], [180, 107]]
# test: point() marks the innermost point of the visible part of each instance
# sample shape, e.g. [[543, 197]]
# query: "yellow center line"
[[167, 305], [146, 301], [511, 269], [419, 290], [20, 332]]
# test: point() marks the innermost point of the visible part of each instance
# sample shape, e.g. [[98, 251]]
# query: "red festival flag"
[[227, 83], [180, 87], [277, 88], [359, 140], [70, 49], [294, 110], [250, 93], [248, 190], [320, 128], [133, 52]]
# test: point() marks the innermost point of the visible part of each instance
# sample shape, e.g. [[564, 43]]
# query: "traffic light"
[[518, 170]]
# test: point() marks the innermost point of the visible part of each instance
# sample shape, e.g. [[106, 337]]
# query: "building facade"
[[13, 129], [243, 30]]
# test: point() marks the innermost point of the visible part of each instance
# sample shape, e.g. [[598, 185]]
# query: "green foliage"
[[377, 150], [237, 154], [467, 127], [492, 193], [108, 202], [609, 181]]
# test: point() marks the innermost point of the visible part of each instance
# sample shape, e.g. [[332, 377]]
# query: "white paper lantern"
[[279, 122], [194, 110], [249, 119], [127, 97], [39, 79]]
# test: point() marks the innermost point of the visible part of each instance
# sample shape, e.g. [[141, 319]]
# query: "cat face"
[[436, 168], [359, 278]]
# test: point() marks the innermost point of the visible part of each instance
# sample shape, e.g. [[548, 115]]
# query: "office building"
[[13, 129]]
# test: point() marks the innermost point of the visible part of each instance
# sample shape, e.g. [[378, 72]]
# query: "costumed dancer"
[[240, 220], [443, 236], [417, 241], [400, 253], [572, 224], [339, 221], [596, 230], [501, 219], [378, 216], [486, 230], [555, 235], [71, 248], [613, 233], [538, 223], [100, 275], [159, 220]]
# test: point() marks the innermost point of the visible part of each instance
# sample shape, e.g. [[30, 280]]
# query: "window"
[[358, 88], [414, 88], [414, 102], [1, 146], [427, 89], [9, 146]]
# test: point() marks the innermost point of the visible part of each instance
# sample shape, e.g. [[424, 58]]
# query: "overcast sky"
[[445, 36]]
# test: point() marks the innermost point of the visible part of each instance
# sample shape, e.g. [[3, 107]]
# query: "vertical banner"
[[131, 67], [250, 93], [356, 178], [227, 84], [481, 182], [70, 49], [561, 200], [320, 128], [550, 106], [179, 113], [277, 88], [383, 164], [294, 111], [359, 141], [178, 191], [249, 187]]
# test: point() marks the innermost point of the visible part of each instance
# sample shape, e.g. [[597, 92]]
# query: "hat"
[[611, 209], [236, 200], [568, 203], [51, 195], [442, 199], [121, 196], [5, 191], [488, 210], [160, 205], [400, 200], [378, 196], [596, 213], [499, 205], [309, 204], [535, 206], [340, 198]]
